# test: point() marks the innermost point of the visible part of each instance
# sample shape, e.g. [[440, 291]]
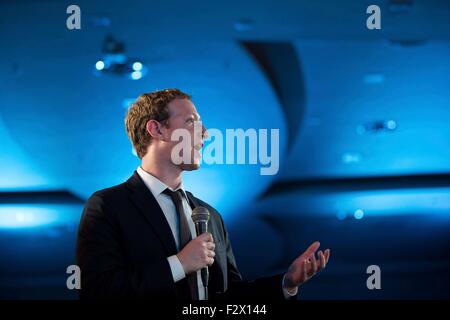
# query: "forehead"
[[181, 107]]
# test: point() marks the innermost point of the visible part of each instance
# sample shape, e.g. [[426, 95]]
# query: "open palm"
[[306, 266]]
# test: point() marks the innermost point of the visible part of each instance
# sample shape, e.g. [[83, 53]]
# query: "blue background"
[[363, 118]]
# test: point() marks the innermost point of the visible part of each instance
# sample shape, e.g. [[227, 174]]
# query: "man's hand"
[[305, 266], [198, 253]]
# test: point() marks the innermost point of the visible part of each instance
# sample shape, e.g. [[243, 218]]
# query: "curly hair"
[[149, 106]]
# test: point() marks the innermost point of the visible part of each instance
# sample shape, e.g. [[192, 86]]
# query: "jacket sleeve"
[[262, 289], [105, 274]]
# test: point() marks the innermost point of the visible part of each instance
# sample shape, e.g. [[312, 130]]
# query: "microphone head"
[[200, 214]]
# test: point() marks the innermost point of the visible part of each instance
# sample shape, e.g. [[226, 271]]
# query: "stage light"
[[137, 66], [100, 65], [115, 61], [376, 127], [136, 75], [30, 216], [14, 217], [351, 157], [359, 214], [391, 124]]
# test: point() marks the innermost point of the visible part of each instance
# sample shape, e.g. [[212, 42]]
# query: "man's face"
[[183, 115]]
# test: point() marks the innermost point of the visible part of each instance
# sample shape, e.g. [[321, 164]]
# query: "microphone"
[[200, 216]]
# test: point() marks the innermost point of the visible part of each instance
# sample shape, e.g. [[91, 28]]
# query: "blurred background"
[[363, 118]]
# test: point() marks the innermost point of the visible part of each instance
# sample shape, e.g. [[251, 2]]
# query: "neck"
[[165, 171]]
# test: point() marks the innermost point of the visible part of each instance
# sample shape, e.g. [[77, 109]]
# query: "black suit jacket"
[[123, 243]]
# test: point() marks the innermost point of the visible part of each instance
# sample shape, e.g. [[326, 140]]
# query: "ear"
[[154, 129]]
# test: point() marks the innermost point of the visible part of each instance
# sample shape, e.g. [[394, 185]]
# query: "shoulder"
[[109, 196], [102, 206]]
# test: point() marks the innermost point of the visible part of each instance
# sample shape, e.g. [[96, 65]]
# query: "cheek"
[[185, 138], [177, 133], [190, 130]]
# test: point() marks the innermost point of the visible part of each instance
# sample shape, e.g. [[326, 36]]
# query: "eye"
[[190, 120]]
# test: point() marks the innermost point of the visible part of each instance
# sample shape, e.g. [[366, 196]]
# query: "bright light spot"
[[136, 75], [359, 214], [391, 125], [100, 65], [20, 217], [133, 151], [27, 216], [24, 217], [351, 157], [137, 66]]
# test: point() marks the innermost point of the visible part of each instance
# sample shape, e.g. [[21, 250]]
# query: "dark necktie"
[[184, 235]]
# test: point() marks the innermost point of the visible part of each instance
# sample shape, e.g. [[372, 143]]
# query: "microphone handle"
[[205, 276], [202, 228]]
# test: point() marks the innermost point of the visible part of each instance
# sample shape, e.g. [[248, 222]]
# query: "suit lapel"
[[194, 203], [149, 207]]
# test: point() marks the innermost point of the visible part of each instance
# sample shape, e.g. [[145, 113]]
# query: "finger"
[[211, 254], [311, 249], [322, 260], [308, 260], [210, 261], [313, 265], [319, 264], [207, 237], [327, 255], [210, 245], [305, 265], [304, 272]]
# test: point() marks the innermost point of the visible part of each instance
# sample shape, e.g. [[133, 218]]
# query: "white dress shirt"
[[156, 187]]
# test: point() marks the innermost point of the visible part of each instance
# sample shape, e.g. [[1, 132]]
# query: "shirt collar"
[[155, 185]]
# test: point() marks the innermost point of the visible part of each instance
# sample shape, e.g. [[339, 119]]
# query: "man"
[[138, 240]]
